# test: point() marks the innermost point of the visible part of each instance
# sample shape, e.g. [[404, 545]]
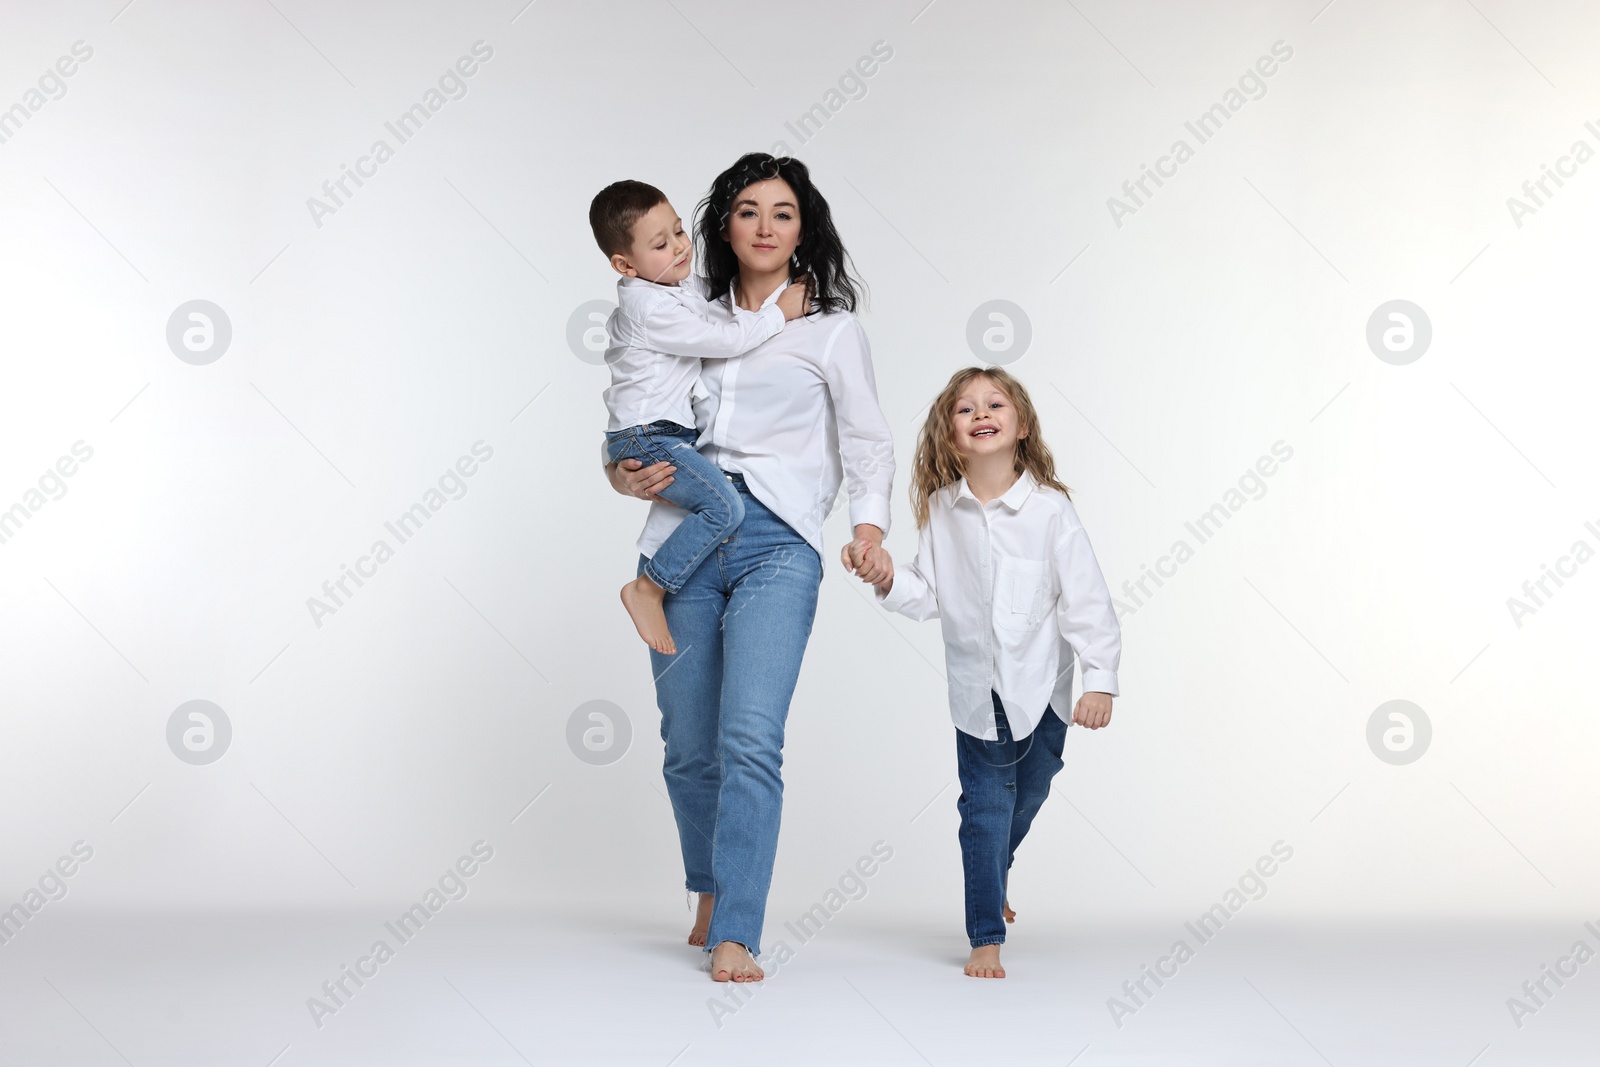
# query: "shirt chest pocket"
[[1022, 593]]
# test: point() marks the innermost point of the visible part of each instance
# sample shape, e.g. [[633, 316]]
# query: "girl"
[[1003, 560], [787, 422]]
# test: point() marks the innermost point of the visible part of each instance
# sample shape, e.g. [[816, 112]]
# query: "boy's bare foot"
[[1009, 915], [985, 962], [643, 599], [702, 921], [731, 962]]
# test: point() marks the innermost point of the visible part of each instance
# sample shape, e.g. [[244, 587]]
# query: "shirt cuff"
[[895, 598], [778, 321], [872, 511], [605, 453], [1096, 681]]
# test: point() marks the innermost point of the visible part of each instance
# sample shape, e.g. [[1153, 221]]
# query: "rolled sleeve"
[[1084, 613], [866, 443]]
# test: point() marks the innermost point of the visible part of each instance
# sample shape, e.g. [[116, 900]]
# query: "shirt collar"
[[645, 285], [1011, 498], [733, 299]]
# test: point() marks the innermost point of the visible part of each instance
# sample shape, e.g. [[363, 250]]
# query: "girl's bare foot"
[[643, 599], [731, 962], [1005, 910], [702, 921], [985, 962]]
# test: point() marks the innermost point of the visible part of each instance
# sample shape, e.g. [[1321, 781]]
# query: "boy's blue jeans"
[[741, 623], [698, 487], [1003, 783]]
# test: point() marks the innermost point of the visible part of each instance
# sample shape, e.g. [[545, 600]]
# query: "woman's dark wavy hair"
[[820, 253]]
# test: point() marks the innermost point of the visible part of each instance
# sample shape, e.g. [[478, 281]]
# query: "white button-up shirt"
[[659, 334], [1018, 590], [797, 416]]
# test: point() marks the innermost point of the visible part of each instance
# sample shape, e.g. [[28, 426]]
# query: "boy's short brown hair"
[[615, 209]]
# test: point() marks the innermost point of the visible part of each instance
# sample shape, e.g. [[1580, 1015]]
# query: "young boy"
[[659, 333]]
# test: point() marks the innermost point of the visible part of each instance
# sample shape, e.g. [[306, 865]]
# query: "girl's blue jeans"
[[698, 487], [740, 621], [1003, 783]]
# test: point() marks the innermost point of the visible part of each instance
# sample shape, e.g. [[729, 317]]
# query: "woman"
[[787, 422]]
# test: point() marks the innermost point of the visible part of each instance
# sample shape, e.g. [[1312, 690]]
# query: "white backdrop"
[[1171, 339]]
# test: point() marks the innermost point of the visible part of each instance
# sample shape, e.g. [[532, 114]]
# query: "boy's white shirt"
[[1018, 591], [784, 416], [659, 334]]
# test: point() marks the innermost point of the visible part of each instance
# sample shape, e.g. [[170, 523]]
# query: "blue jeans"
[[698, 487], [1003, 783], [740, 622]]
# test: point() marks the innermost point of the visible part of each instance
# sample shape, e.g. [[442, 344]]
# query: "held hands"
[[867, 559], [1093, 710]]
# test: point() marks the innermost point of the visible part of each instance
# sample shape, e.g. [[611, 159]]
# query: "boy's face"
[[660, 250], [983, 420]]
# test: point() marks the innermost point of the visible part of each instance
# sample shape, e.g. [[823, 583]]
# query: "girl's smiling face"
[[983, 421], [764, 225]]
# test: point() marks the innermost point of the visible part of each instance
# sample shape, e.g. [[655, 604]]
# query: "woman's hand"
[[1093, 710], [866, 558], [632, 478]]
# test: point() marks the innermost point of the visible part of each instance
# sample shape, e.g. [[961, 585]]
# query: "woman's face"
[[764, 225]]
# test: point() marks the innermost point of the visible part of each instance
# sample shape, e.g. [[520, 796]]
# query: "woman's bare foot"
[[1005, 910], [731, 962], [643, 599], [702, 921], [985, 962]]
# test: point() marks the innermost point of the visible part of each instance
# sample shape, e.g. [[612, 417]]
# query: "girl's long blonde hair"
[[938, 464]]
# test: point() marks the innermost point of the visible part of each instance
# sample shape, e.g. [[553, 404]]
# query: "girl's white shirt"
[[798, 416], [1019, 593]]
